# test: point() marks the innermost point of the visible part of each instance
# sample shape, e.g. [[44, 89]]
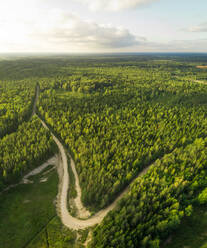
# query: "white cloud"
[[114, 5], [69, 30], [25, 27], [15, 23], [56, 30], [199, 28]]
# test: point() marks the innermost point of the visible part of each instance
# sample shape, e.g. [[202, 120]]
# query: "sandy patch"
[[201, 66], [43, 180]]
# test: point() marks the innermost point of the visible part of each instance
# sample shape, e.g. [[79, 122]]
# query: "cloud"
[[114, 5], [59, 31], [68, 31], [29, 28], [199, 28]]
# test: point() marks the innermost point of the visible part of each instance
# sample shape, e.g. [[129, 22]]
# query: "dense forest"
[[20, 151], [16, 101], [115, 115], [115, 130], [158, 201], [24, 143]]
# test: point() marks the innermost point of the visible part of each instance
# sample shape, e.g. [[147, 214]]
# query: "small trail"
[[66, 218], [89, 238], [36, 99], [36, 171], [82, 212]]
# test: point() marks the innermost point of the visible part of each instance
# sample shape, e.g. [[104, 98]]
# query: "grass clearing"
[[192, 232], [26, 209], [54, 235]]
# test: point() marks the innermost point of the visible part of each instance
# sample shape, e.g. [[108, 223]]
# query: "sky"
[[103, 26]]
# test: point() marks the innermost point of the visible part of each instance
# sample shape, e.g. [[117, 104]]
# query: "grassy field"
[[54, 235], [26, 209], [28, 216], [192, 233]]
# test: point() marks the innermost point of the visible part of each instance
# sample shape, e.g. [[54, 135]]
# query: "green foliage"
[[16, 100], [114, 133], [191, 232], [54, 235], [156, 202], [189, 210], [116, 115], [26, 209], [202, 198], [29, 146]]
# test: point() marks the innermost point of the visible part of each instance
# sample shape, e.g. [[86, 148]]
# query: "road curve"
[[82, 212], [66, 218]]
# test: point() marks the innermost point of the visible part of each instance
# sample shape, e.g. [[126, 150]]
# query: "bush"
[[202, 198]]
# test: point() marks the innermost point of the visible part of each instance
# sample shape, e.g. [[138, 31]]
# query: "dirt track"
[[62, 198], [36, 99], [36, 171], [66, 218], [82, 212]]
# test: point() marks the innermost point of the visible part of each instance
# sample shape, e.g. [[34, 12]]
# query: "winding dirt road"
[[62, 199], [82, 212], [66, 218]]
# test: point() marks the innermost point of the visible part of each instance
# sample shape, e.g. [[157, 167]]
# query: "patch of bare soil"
[[201, 66]]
